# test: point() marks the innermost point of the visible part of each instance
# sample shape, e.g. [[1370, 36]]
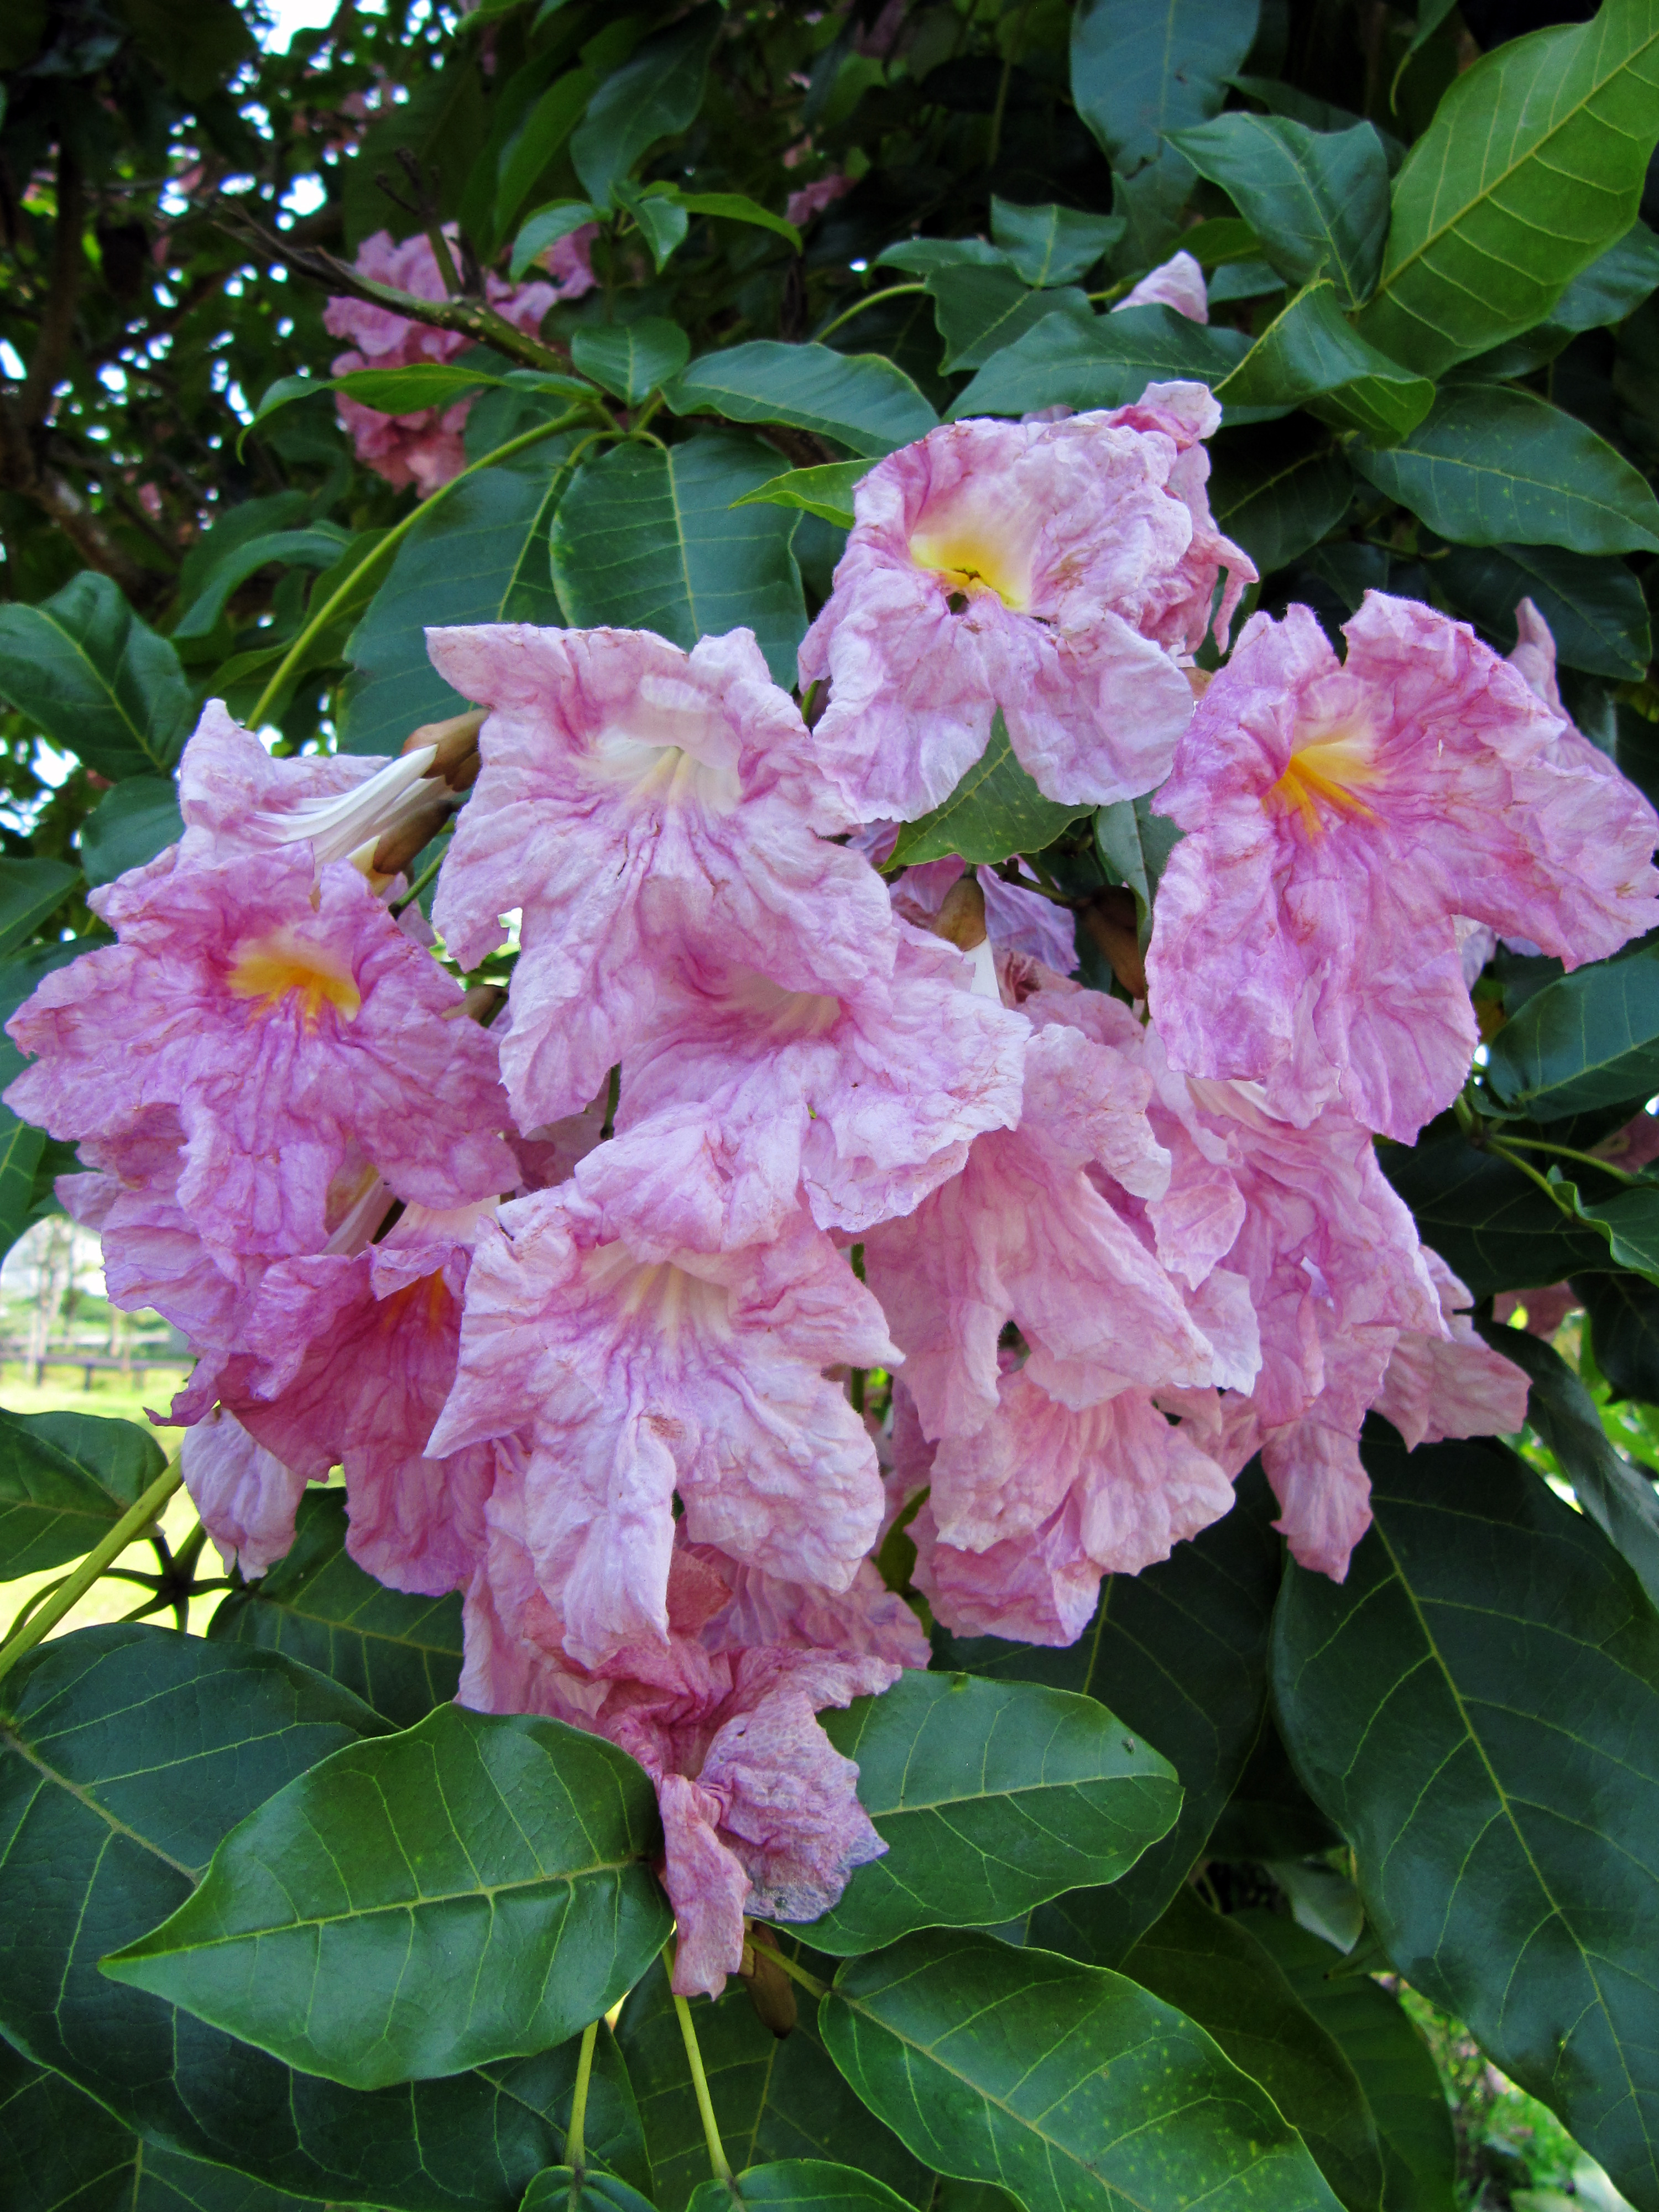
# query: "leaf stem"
[[870, 298], [420, 883], [1569, 1153], [717, 2157], [575, 2146], [798, 1973], [133, 1522], [1500, 1145]]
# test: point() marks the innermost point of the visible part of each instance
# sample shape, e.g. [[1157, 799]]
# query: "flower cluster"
[[570, 1281]]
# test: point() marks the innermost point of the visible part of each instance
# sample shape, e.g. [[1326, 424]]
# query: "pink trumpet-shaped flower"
[[1339, 819], [1178, 284], [246, 1497], [636, 1378], [1056, 571], [637, 803]]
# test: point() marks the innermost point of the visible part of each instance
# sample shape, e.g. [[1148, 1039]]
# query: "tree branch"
[[57, 322], [22, 471]]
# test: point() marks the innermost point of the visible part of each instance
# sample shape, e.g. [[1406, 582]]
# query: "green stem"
[[717, 2157], [574, 2146], [420, 883], [393, 539], [1498, 1146], [796, 1973], [444, 259], [74, 1587], [870, 299], [1113, 291], [1567, 1152], [1008, 60]]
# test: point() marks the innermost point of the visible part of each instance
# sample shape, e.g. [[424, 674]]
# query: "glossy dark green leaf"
[[630, 360], [546, 228], [1133, 845], [1278, 490], [398, 1653], [826, 492], [480, 558], [1531, 169], [1068, 2085], [1218, 1975], [318, 548], [980, 311], [1628, 1220], [65, 1480], [995, 810], [131, 825], [799, 2185], [737, 207], [1140, 72], [1493, 1226], [561, 2190], [1105, 362], [1399, 2078], [555, 115], [502, 1854], [1310, 356], [863, 401], [29, 891], [1270, 1815], [919, 257], [991, 1798], [1612, 287], [1595, 609], [100, 683], [773, 2100], [1052, 244], [1477, 1706], [1179, 1652], [662, 222], [1591, 1039], [649, 539], [1318, 200], [656, 92], [129, 1753], [1624, 1322]]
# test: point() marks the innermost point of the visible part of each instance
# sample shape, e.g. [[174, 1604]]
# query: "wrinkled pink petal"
[[247, 1498], [1178, 284], [1455, 1386], [1016, 920]]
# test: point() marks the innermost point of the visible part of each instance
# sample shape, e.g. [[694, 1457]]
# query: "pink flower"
[[284, 1019], [1178, 284], [246, 1498], [1450, 1386], [1548, 1306], [638, 803], [423, 447], [811, 199], [1339, 817], [1055, 570], [1016, 920], [743, 1099], [634, 1378]]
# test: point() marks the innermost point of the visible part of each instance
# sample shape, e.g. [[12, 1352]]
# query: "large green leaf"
[[862, 400], [1612, 286], [318, 548], [826, 491], [1590, 1039], [65, 1480], [501, 1855], [22, 1148], [1318, 200], [1595, 609], [812, 2184], [1140, 71], [1180, 1653], [1399, 2078], [129, 1752], [1278, 490], [774, 2099], [101, 683], [131, 825], [649, 539], [1623, 1320], [1477, 1707], [630, 360], [480, 557], [1067, 2084], [1532, 167], [980, 311], [1492, 1224], [655, 92], [991, 1798], [1105, 362], [561, 2190], [1491, 465], [1310, 356], [1220, 1976], [995, 810], [29, 891], [400, 1654], [1052, 244]]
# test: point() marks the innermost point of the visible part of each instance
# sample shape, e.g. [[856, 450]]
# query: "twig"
[[74, 1587]]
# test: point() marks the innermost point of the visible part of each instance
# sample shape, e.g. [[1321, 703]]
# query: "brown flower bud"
[[398, 847], [961, 918], [770, 1990], [1109, 919], [457, 740]]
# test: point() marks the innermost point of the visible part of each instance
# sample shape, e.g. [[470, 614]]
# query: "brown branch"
[[57, 322], [23, 471]]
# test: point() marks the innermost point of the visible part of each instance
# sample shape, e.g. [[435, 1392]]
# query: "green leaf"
[[560, 2190], [29, 891], [1490, 1224], [1531, 169], [1218, 1975], [1133, 846], [295, 549], [1491, 463], [480, 557], [547, 125], [22, 1150], [400, 1654], [1278, 490], [649, 539], [195, 45], [1066, 2084], [1612, 288], [1180, 1653], [662, 222], [1399, 2078], [1105, 362], [1624, 1320], [1270, 1816], [546, 228], [980, 311], [1318, 200], [1467, 1706], [774, 2099], [995, 810], [922, 256], [1309, 356], [131, 825], [654, 95], [630, 360], [827, 491], [861, 400], [1620, 1499], [1140, 72], [1595, 609], [800, 2183], [101, 683], [991, 1798], [129, 1753], [1052, 245], [737, 207], [1590, 1039], [65, 1480], [502, 1854]]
